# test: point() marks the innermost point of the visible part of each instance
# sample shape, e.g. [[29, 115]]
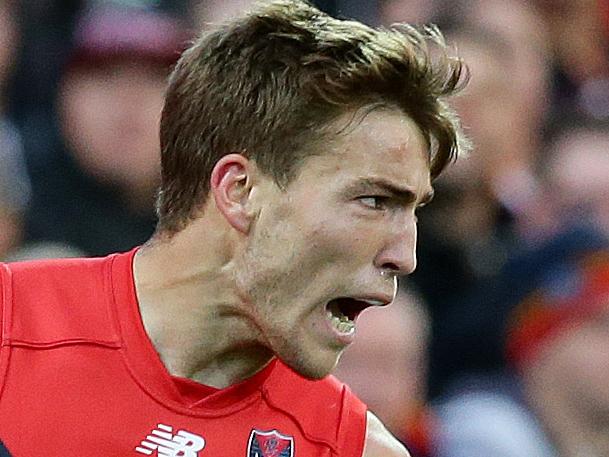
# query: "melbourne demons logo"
[[270, 444]]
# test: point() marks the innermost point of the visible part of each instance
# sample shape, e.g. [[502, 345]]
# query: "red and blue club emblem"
[[270, 444]]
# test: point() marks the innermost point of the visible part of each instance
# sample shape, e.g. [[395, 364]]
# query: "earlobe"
[[231, 182]]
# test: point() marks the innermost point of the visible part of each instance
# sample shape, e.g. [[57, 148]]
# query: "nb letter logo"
[[163, 443]]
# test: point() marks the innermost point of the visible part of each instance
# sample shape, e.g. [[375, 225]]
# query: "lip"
[[344, 339], [375, 300]]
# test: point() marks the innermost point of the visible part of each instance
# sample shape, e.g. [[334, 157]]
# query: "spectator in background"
[[412, 11], [526, 32], [14, 195], [387, 367], [216, 11], [488, 201], [95, 190], [576, 167], [549, 313], [504, 108], [210, 12], [507, 104], [580, 43], [8, 44], [45, 29], [14, 186]]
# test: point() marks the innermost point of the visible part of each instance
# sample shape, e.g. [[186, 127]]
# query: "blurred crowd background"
[[499, 344]]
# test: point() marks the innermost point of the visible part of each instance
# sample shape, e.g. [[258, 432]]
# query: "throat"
[[221, 370], [192, 311]]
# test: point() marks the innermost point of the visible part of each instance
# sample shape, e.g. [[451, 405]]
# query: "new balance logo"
[[163, 443]]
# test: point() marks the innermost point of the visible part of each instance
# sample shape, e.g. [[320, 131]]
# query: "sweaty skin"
[[251, 277]]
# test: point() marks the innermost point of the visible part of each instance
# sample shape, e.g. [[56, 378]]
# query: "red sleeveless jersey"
[[79, 377]]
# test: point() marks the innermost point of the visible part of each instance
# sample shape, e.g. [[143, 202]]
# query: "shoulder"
[[48, 301], [53, 280], [380, 442]]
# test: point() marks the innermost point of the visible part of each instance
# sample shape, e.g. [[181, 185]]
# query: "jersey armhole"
[[352, 428], [5, 321]]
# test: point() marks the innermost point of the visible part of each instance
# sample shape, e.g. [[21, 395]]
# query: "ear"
[[231, 183]]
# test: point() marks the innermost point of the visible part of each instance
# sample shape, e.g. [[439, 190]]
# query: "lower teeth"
[[342, 324]]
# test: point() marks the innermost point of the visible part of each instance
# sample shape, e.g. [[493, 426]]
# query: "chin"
[[313, 375]]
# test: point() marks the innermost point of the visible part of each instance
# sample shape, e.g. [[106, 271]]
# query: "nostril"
[[390, 268]]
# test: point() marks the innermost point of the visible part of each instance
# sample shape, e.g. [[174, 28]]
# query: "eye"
[[374, 202]]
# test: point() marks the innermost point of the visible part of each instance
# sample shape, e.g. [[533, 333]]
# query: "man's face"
[[332, 243], [110, 116], [577, 172]]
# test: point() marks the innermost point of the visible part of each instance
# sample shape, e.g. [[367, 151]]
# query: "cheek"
[[289, 253], [327, 241], [341, 241], [279, 262]]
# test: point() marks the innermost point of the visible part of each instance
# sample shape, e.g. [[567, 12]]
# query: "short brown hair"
[[266, 84]]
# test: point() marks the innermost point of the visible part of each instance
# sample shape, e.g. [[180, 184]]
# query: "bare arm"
[[381, 443]]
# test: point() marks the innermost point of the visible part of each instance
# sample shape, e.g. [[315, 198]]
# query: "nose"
[[398, 256]]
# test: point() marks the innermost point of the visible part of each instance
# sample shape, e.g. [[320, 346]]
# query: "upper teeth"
[[374, 302]]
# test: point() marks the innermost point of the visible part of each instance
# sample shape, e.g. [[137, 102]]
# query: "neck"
[[192, 310]]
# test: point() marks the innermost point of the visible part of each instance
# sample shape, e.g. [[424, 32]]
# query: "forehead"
[[383, 144]]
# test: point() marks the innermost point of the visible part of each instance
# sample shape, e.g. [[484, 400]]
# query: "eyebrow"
[[401, 193]]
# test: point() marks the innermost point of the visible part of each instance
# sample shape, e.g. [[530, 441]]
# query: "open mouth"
[[342, 313]]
